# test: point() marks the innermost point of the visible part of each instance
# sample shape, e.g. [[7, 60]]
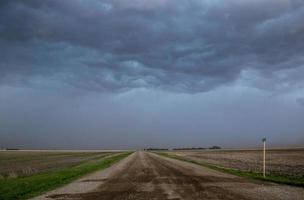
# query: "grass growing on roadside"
[[30, 186], [296, 181]]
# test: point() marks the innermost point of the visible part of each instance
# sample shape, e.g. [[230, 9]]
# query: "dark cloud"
[[187, 46], [136, 73]]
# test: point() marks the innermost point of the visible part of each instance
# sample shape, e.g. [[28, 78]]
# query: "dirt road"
[[145, 176]]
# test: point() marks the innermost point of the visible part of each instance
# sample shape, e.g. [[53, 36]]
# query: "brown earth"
[[20, 163], [279, 161], [148, 176]]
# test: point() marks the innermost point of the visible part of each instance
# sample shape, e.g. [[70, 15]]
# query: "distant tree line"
[[191, 148], [197, 148], [12, 149], [184, 148], [155, 149], [215, 147]]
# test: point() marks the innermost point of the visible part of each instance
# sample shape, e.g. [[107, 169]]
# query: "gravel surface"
[[148, 176]]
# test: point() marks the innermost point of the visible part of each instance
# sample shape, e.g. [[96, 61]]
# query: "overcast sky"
[[151, 73]]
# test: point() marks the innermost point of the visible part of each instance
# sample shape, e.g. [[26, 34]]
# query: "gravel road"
[[146, 176]]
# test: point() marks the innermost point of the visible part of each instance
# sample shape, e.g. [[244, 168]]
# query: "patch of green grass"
[[30, 186], [288, 180]]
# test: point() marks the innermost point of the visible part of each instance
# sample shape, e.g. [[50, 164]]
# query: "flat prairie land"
[[24, 163], [148, 176], [286, 162], [26, 174], [143, 175]]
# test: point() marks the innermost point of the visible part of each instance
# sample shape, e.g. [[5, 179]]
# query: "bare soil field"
[[147, 176], [288, 162], [20, 163]]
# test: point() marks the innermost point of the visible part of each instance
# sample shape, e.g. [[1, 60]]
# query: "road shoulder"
[[82, 185], [255, 189]]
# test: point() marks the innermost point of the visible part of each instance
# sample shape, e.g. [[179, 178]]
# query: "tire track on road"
[[147, 176]]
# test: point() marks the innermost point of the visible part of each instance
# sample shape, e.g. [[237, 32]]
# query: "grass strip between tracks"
[[31, 186], [295, 181]]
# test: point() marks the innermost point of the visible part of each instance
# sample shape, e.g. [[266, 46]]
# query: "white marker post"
[[264, 157]]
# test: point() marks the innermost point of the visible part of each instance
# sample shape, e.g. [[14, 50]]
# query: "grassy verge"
[[296, 181], [30, 186]]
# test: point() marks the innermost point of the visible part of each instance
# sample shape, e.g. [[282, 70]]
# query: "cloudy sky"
[[151, 73]]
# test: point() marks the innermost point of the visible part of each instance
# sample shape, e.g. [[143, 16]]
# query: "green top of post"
[[264, 139]]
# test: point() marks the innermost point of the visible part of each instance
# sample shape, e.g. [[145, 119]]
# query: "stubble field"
[[14, 164], [285, 162]]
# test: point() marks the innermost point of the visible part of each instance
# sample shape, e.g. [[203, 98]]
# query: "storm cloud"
[[168, 47], [188, 46]]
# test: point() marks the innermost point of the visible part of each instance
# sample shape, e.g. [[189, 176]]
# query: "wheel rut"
[[147, 176]]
